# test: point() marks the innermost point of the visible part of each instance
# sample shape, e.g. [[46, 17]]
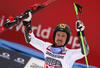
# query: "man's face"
[[60, 38]]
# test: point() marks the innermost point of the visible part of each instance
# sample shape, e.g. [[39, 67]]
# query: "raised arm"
[[29, 36], [80, 27]]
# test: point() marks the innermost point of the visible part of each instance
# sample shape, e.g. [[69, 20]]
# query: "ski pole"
[[76, 6]]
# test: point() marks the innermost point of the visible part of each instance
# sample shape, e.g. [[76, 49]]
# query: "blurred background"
[[44, 21]]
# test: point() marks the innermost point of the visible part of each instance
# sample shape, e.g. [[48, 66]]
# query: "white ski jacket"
[[65, 59]]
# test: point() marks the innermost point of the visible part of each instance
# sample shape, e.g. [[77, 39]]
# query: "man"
[[57, 55]]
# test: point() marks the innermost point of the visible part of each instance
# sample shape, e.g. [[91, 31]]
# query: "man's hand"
[[27, 21], [80, 27], [29, 15]]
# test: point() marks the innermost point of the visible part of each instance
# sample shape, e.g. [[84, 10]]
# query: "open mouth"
[[59, 41]]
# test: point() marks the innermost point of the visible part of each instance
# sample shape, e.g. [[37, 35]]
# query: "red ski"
[[14, 21]]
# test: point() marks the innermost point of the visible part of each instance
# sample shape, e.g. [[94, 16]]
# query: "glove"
[[27, 21], [80, 27]]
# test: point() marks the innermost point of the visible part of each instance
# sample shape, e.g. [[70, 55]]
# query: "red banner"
[[44, 21]]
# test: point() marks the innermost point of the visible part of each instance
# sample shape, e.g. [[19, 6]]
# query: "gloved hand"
[[80, 27], [27, 21]]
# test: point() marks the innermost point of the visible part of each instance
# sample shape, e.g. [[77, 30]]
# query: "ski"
[[14, 21]]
